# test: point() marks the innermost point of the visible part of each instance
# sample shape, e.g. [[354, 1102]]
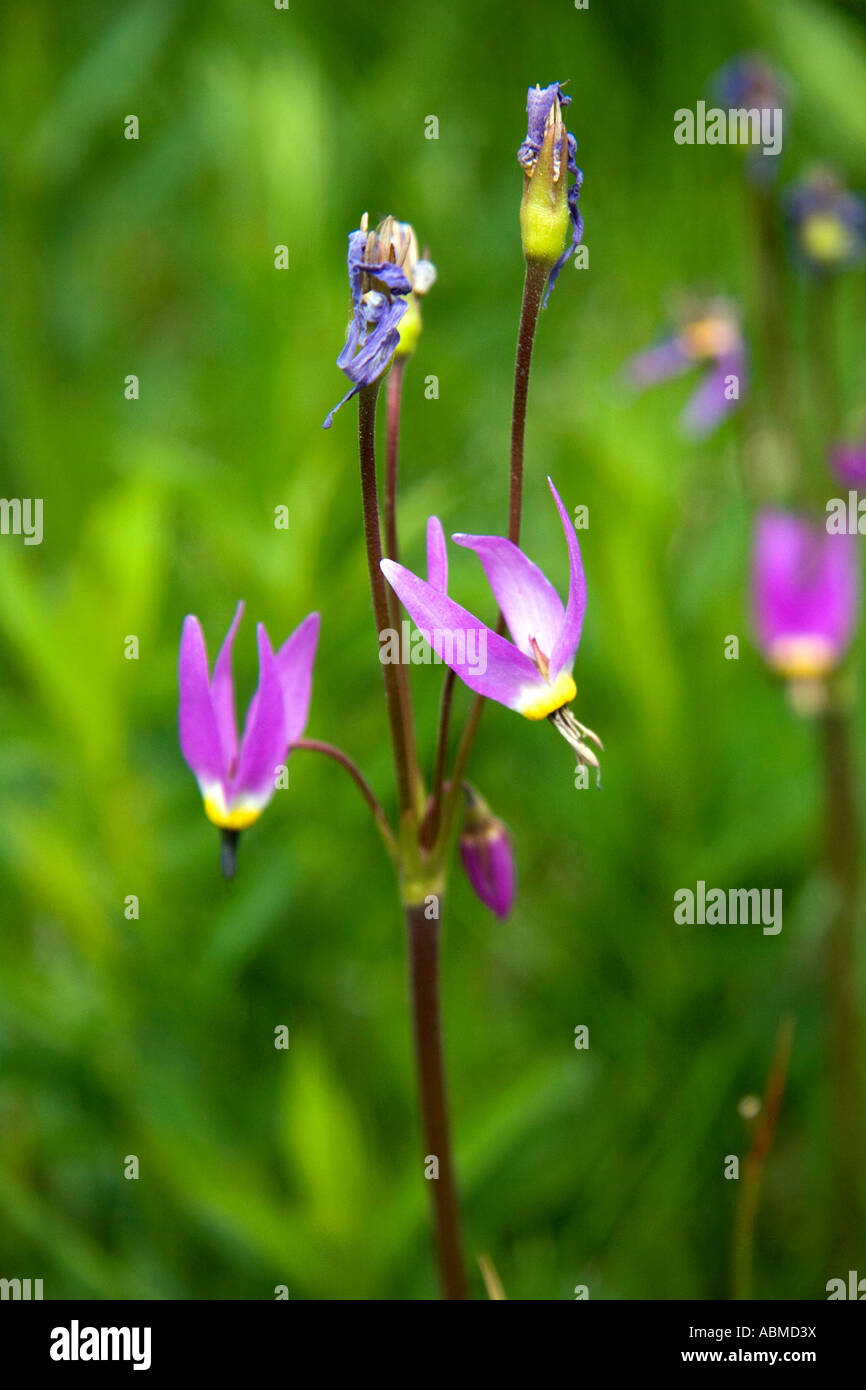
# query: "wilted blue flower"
[[828, 222], [548, 201], [710, 336], [379, 288]]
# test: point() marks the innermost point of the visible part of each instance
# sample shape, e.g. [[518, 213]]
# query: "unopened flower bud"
[[485, 849]]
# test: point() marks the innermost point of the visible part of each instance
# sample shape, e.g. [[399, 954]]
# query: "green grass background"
[[155, 1037]]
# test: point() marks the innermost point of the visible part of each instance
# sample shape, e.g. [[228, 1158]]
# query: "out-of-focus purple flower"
[[805, 593], [237, 779], [710, 337], [549, 202], [379, 287], [848, 462], [530, 674], [750, 81], [487, 856], [828, 222]]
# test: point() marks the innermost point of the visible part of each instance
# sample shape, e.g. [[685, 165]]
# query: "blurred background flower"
[[828, 222]]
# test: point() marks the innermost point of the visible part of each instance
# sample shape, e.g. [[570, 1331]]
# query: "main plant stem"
[[841, 977], [423, 944]]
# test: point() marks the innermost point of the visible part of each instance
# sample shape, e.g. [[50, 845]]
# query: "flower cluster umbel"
[[529, 671]]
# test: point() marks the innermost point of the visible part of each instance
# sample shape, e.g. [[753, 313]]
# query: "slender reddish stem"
[[378, 588], [394, 400], [423, 944], [534, 286], [763, 1135], [394, 396], [533, 293]]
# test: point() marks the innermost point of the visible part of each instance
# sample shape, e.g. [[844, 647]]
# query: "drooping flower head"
[[848, 462], [827, 221], [805, 594], [709, 336], [237, 778], [547, 157], [530, 674], [486, 854], [379, 287]]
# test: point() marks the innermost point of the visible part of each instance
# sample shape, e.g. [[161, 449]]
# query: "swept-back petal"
[[197, 723], [263, 746], [568, 639], [223, 693], [437, 555], [527, 600], [659, 363], [486, 662], [295, 660]]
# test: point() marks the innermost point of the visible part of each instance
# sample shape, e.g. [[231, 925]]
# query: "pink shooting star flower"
[[530, 674], [237, 778], [805, 594]]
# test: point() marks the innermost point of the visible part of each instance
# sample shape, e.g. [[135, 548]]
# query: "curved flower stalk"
[[237, 778], [547, 157], [711, 338], [805, 594], [828, 223], [531, 674]]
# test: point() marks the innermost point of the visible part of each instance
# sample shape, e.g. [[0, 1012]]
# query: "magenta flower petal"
[[200, 741], [263, 746], [486, 662], [488, 859], [527, 600], [805, 593], [223, 693], [566, 644], [437, 555], [295, 660]]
